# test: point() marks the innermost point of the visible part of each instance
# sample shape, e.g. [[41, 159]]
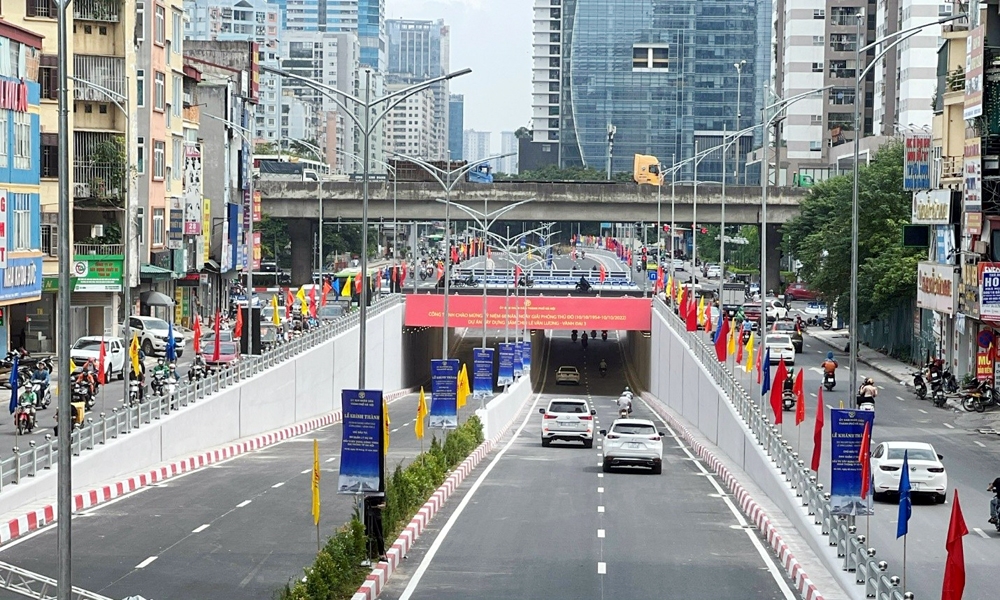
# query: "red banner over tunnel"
[[544, 312]]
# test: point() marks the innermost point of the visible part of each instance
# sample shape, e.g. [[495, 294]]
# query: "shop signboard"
[[22, 279], [972, 175], [175, 230], [97, 273], [984, 365], [192, 190], [206, 227], [931, 207], [989, 290], [974, 73], [917, 162], [936, 287]]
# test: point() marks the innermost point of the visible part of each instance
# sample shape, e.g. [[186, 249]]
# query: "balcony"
[[105, 71], [106, 11], [951, 167], [98, 249], [99, 168], [192, 114]]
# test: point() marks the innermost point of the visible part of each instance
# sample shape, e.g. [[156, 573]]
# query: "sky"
[[493, 38]]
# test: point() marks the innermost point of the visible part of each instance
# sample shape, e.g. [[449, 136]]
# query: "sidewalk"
[[886, 365]]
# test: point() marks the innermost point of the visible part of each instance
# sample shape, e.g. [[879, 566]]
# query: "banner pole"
[[904, 563]]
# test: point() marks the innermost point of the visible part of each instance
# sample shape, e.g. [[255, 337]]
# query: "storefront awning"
[[210, 266], [148, 272]]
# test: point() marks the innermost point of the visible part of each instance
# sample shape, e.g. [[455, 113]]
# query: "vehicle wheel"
[[969, 404], [657, 468], [121, 374], [546, 442], [20, 428], [147, 347], [605, 466], [940, 498], [588, 443], [877, 496], [980, 405]]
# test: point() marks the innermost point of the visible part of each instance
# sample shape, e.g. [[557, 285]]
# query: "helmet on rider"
[[829, 355], [160, 362]]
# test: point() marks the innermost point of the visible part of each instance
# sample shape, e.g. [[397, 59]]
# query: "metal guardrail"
[[842, 531], [33, 585], [125, 419]]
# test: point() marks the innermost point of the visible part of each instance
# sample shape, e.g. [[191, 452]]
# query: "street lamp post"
[[392, 171], [448, 180], [367, 124], [902, 36], [611, 144]]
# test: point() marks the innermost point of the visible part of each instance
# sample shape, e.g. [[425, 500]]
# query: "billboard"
[[444, 393], [362, 447], [917, 162], [931, 207], [427, 310], [192, 190], [936, 287], [974, 73], [846, 430]]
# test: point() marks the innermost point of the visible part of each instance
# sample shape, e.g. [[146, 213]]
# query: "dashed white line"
[[602, 568], [981, 532], [244, 503], [279, 484], [948, 425], [900, 398], [146, 562], [922, 410], [201, 528], [600, 475], [395, 430], [306, 471], [600, 509], [600, 533], [600, 490], [980, 444]]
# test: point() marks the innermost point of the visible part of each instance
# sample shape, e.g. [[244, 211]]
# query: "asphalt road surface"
[[547, 523], [970, 459], [238, 529]]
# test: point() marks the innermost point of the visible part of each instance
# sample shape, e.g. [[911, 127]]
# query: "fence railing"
[[842, 532], [123, 420]]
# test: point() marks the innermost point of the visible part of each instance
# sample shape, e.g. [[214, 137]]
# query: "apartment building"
[[411, 125], [418, 51]]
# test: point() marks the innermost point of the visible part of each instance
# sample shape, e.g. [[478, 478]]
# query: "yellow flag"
[[385, 425], [731, 343], [680, 295], [670, 286], [701, 311], [749, 354], [275, 317], [421, 414], [303, 304], [346, 290], [315, 483], [72, 365], [133, 352], [463, 387]]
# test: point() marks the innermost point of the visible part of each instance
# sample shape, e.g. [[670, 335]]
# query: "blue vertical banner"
[[506, 374], [444, 393], [482, 372], [518, 367], [847, 427], [526, 356], [362, 469]]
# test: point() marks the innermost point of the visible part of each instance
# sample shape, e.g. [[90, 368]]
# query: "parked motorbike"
[[919, 387], [827, 323], [980, 397], [829, 381]]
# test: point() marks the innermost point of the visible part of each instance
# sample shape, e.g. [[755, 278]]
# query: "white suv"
[[633, 442], [568, 419], [152, 334]]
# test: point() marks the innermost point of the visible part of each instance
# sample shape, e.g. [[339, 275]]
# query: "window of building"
[[818, 40], [651, 57], [159, 159], [840, 96], [50, 155], [41, 8], [158, 224], [22, 220], [140, 155], [159, 25], [817, 67], [50, 235], [844, 42], [178, 157], [843, 69], [815, 145], [944, 10], [140, 224], [22, 141], [140, 21], [48, 76], [140, 87], [176, 104], [819, 13], [4, 145], [815, 119], [177, 32], [159, 90]]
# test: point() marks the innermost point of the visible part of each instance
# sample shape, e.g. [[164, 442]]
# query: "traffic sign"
[[652, 275]]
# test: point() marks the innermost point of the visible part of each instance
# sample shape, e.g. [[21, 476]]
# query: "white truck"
[[733, 296]]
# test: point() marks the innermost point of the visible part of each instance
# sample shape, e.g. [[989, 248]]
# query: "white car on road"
[[927, 474], [89, 347], [567, 374], [713, 271], [781, 347], [632, 443], [152, 333], [678, 264], [568, 419]]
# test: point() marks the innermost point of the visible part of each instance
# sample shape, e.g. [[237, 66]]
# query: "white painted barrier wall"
[[303, 387], [502, 409]]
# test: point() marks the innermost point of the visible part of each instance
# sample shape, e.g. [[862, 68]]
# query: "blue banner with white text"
[[444, 393], [526, 356], [482, 372], [518, 367], [362, 469], [506, 374], [847, 428]]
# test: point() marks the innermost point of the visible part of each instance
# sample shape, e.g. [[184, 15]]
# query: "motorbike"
[[134, 392], [170, 388], [788, 400], [919, 387], [866, 403], [827, 323], [593, 334], [583, 341], [24, 419], [604, 335], [82, 393], [573, 336], [44, 398], [156, 385], [980, 397], [197, 372], [829, 381], [604, 371], [938, 395], [745, 337]]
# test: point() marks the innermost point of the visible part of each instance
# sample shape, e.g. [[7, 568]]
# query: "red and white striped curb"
[[807, 590], [31, 521], [380, 575]]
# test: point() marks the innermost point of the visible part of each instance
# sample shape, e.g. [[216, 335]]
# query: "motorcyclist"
[[625, 403], [627, 392], [995, 500], [160, 373], [41, 377], [830, 366], [27, 401], [868, 391], [603, 366], [86, 376], [789, 385]]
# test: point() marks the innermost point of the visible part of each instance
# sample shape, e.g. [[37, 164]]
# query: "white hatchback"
[[780, 347], [633, 442], [568, 419], [927, 474]]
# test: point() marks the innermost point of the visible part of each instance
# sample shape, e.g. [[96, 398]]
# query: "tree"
[[523, 133], [554, 173], [820, 237]]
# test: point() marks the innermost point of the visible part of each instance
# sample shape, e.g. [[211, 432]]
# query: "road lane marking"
[[602, 568], [981, 533], [278, 485], [201, 528], [601, 475], [306, 471], [331, 459], [600, 533], [395, 430], [244, 503], [922, 410], [146, 562], [948, 425], [900, 398], [980, 444], [600, 490], [600, 509]]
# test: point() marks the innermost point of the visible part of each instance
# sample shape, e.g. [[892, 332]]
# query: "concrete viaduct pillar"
[[774, 258], [301, 233]]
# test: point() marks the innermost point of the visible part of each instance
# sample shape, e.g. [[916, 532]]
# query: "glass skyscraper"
[[660, 71], [372, 34]]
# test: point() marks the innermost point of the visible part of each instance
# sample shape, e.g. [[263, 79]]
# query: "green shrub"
[[336, 573]]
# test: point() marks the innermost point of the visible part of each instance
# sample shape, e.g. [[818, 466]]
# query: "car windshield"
[[634, 429], [156, 324], [567, 369], [779, 339], [331, 311], [87, 345], [568, 407], [784, 326], [227, 349], [912, 453]]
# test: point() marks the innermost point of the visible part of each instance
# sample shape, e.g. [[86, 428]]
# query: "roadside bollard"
[[17, 466], [34, 458], [51, 448], [104, 430], [861, 574]]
